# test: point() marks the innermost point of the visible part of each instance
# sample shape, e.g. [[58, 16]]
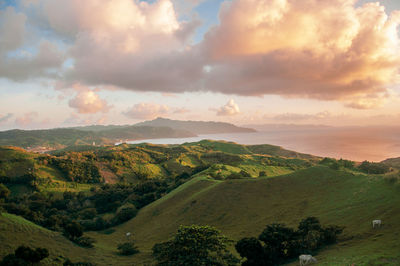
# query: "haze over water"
[[357, 143]]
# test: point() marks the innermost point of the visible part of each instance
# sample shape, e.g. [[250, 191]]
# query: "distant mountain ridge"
[[108, 135], [197, 127]]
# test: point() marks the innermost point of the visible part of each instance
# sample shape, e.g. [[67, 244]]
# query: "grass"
[[244, 207], [239, 208]]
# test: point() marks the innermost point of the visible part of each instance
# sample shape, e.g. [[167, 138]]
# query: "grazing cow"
[[307, 259], [376, 223]]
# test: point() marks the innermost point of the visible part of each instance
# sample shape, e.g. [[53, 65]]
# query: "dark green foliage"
[[68, 262], [24, 256], [124, 215], [262, 173], [127, 248], [278, 244], [195, 245], [73, 230], [337, 164], [4, 192], [78, 167], [374, 168], [56, 213], [251, 249], [220, 157], [84, 241]]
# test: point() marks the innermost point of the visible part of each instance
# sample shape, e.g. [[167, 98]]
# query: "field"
[[242, 208]]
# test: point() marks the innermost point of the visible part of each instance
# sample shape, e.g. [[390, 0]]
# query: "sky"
[[68, 63]]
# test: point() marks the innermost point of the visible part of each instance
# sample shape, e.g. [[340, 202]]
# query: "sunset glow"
[[95, 61]]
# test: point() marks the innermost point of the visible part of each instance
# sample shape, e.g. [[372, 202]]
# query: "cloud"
[[229, 109], [329, 50], [5, 118], [77, 120], [27, 119], [145, 111], [12, 29], [182, 110], [292, 117], [370, 101], [130, 44], [17, 63], [87, 101]]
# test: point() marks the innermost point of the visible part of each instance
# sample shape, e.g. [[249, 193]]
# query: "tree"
[[4, 192], [195, 245], [73, 230], [278, 244], [25, 256], [251, 249], [278, 240]]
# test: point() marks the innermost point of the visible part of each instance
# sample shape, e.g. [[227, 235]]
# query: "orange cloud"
[[327, 50], [229, 109], [88, 102], [142, 111]]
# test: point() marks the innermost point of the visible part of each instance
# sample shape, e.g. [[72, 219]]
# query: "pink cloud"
[[328, 50], [27, 119], [87, 101], [229, 109], [142, 111]]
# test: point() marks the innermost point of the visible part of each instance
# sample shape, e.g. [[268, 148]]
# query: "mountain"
[[108, 135], [58, 138], [197, 127]]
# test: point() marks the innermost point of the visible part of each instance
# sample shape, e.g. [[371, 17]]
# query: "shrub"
[[124, 214], [195, 245], [278, 244], [73, 230], [68, 262], [4, 191], [24, 256], [85, 241], [374, 168], [127, 248]]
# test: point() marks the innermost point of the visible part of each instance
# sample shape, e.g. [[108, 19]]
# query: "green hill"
[[243, 207], [58, 138], [238, 189]]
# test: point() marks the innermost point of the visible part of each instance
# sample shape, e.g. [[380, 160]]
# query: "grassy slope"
[[243, 207], [15, 230]]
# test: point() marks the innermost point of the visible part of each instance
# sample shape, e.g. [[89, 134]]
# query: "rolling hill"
[[295, 186], [241, 208]]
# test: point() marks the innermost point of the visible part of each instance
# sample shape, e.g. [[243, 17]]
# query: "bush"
[[24, 256], [73, 230], [85, 241], [68, 262], [124, 214], [279, 244], [4, 191], [374, 168], [127, 248], [195, 245]]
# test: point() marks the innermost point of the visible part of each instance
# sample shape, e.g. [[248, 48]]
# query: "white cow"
[[376, 223], [128, 235], [307, 259]]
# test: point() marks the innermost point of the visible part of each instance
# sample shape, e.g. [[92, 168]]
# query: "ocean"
[[357, 143]]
